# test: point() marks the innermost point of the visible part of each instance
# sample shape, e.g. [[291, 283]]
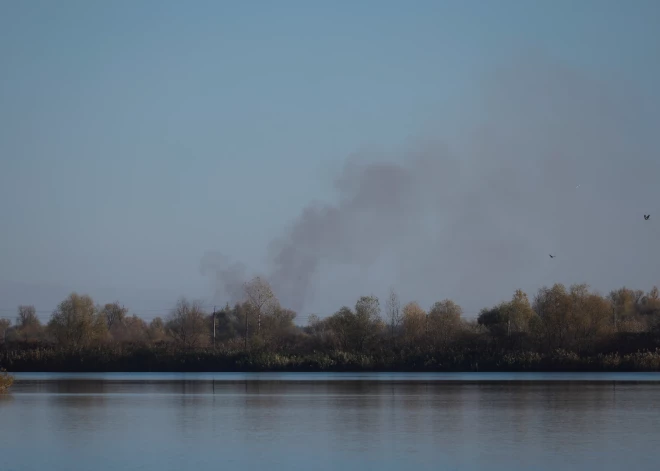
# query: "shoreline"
[[121, 360], [321, 377]]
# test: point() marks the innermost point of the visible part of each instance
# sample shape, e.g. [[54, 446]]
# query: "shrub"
[[5, 381]]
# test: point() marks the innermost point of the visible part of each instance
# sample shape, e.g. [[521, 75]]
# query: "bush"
[[5, 381]]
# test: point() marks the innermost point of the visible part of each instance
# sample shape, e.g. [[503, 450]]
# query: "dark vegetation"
[[561, 329]]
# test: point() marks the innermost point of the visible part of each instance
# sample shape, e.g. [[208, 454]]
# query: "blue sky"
[[136, 135]]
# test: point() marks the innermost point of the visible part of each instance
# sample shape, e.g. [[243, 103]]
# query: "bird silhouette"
[[551, 256], [646, 217]]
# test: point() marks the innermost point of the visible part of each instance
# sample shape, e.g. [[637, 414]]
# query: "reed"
[[155, 359], [6, 381]]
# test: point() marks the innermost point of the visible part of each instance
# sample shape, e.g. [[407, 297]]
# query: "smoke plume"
[[474, 218]]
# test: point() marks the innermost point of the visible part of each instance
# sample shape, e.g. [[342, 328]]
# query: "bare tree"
[[116, 319], [4, 327], [187, 324], [261, 299], [393, 311], [114, 314], [28, 324], [27, 315], [156, 330], [367, 322], [313, 320]]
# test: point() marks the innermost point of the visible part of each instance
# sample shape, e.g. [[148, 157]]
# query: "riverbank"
[[5, 381], [208, 360]]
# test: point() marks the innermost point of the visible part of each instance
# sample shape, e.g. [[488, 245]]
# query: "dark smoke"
[[228, 277], [475, 219]]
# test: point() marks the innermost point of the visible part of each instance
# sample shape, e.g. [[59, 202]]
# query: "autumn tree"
[[28, 325], [592, 320], [508, 318], [355, 330], [626, 305], [115, 318], [76, 322], [278, 327], [341, 325], [368, 323], [133, 330], [572, 318], [114, 314], [321, 331], [623, 305], [414, 322], [187, 324], [650, 303], [521, 316], [444, 322], [553, 307], [650, 309]]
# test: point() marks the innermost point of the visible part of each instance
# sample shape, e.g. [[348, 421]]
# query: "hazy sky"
[[136, 136]]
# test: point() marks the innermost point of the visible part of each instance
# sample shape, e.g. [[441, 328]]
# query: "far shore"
[[144, 360]]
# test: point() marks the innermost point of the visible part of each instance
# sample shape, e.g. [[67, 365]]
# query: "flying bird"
[[551, 256], [646, 217]]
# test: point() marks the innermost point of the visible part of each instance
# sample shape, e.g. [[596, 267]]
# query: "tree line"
[[560, 328]]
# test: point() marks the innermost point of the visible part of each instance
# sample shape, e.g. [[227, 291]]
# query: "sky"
[[443, 148]]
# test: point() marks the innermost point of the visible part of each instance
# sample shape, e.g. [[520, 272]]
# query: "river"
[[200, 422]]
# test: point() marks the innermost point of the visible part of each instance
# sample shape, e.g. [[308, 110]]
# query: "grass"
[[6, 381]]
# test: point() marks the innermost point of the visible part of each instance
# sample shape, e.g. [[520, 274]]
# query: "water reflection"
[[240, 423]]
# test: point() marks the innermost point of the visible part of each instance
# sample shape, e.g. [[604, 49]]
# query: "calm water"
[[383, 422]]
